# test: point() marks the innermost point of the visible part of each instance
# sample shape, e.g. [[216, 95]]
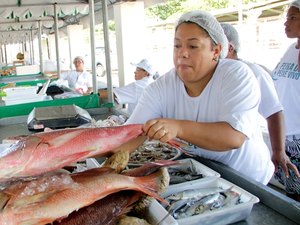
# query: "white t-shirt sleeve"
[[240, 97], [126, 94], [270, 103]]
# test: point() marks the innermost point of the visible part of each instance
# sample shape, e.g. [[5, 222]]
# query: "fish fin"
[[149, 168], [179, 145], [151, 184]]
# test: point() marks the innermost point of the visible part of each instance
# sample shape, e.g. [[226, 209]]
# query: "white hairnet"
[[296, 4], [210, 24], [232, 35]]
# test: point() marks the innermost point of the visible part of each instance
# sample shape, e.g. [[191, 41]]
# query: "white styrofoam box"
[[34, 98], [157, 214], [22, 91], [220, 216], [196, 166], [92, 163], [28, 69]]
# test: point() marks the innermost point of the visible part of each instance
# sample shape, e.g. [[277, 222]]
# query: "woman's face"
[[140, 73], [79, 65], [292, 24], [194, 54]]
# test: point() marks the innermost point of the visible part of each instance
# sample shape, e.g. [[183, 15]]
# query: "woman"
[[287, 83], [131, 93], [207, 101], [79, 79]]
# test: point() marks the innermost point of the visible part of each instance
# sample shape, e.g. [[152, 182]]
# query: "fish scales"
[[47, 151], [104, 211], [92, 185]]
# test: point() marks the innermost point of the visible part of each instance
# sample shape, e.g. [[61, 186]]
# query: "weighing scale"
[[57, 117]]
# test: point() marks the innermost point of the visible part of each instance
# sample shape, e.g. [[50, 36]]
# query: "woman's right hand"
[[161, 129]]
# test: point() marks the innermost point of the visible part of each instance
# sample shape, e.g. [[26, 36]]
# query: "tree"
[[171, 8]]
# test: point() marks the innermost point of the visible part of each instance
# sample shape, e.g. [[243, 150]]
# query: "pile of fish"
[[151, 151], [36, 191], [193, 202]]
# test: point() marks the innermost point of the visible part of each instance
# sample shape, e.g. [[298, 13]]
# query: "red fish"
[[47, 151], [45, 206], [105, 211]]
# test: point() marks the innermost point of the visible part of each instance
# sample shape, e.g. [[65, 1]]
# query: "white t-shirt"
[[286, 78], [77, 80], [232, 95], [131, 93], [269, 103]]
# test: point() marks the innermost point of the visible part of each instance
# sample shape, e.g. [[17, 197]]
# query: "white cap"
[[145, 65], [210, 24]]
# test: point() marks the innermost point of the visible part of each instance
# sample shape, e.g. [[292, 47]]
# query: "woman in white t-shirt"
[[131, 93], [286, 78], [207, 101], [79, 79]]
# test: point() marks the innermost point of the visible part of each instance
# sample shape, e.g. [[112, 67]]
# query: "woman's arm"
[[216, 136]]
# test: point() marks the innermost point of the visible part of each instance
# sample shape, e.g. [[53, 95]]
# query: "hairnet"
[[232, 35], [296, 4], [210, 24]]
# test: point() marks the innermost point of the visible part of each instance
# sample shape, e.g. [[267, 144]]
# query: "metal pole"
[[40, 48], [32, 47], [92, 35], [56, 40], [5, 54], [107, 51], [1, 54]]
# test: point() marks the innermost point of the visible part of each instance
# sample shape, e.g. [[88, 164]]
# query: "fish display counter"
[[273, 207]]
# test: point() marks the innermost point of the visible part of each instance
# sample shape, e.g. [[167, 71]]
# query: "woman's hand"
[[281, 159], [161, 129]]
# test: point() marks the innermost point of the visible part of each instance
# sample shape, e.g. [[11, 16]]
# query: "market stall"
[[269, 207]]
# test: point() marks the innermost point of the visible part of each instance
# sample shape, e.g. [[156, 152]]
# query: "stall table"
[[274, 208]]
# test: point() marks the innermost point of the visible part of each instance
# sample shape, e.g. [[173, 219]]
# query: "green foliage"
[[165, 10], [170, 7]]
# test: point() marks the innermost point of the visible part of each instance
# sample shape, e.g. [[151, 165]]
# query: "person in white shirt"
[[210, 102], [131, 93], [286, 78], [79, 79], [270, 107]]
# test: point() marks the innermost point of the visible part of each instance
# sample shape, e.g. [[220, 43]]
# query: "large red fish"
[[36, 203], [42, 152]]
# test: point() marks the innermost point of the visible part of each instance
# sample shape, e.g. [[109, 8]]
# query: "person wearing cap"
[[207, 101], [270, 107], [287, 83], [130, 93], [79, 79]]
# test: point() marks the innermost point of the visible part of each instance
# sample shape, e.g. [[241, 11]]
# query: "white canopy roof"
[[19, 17]]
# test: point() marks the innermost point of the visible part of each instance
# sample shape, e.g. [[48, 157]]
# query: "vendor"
[[129, 94], [79, 79]]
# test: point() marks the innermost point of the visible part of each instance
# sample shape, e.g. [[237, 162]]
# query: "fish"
[[47, 151], [104, 211], [87, 187], [107, 210], [194, 194]]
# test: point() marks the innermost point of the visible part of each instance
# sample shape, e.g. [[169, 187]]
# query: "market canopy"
[[19, 17]]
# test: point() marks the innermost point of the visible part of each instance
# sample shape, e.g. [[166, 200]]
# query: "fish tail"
[[179, 145], [151, 185]]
